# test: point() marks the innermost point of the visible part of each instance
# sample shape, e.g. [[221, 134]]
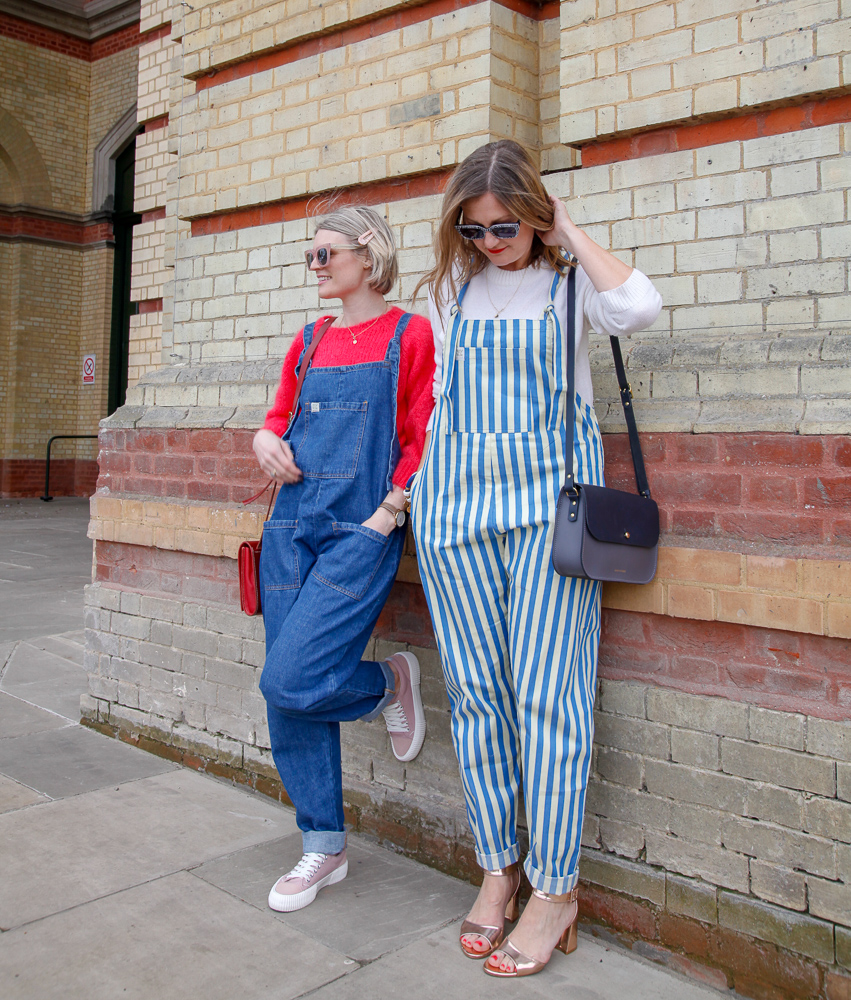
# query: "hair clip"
[[364, 238]]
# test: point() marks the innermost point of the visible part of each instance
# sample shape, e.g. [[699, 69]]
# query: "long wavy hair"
[[504, 170]]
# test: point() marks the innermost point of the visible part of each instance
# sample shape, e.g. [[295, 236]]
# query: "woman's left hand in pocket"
[[381, 521]]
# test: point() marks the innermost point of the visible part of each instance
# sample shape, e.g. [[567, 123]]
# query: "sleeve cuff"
[[403, 471], [627, 296]]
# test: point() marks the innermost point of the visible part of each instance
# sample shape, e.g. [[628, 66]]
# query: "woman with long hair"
[[332, 546], [518, 643]]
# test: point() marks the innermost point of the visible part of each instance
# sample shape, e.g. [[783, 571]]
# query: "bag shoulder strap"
[[305, 363], [625, 395]]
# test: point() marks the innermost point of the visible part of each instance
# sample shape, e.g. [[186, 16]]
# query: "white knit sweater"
[[632, 306]]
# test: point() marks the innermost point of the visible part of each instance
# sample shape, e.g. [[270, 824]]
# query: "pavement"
[[124, 875]]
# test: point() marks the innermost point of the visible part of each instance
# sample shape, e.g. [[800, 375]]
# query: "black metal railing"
[[57, 437]]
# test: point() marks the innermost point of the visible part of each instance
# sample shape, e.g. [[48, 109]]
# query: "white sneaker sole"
[[298, 900], [419, 714]]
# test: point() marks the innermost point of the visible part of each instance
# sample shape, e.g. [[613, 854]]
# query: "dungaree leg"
[[465, 583], [313, 679], [554, 632]]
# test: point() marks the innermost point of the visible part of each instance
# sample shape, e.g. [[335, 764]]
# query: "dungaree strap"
[[401, 326], [392, 356]]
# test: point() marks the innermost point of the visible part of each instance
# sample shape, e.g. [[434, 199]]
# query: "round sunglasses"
[[322, 254], [501, 230]]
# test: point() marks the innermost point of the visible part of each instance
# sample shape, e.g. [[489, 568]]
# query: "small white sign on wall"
[[89, 369]]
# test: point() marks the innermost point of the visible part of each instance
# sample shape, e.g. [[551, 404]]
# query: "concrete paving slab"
[[175, 937], [434, 969], [73, 760], [45, 679], [381, 889], [19, 718], [81, 848], [14, 795], [6, 650], [45, 562], [70, 646]]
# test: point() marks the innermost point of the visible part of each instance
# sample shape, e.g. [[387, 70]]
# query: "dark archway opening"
[[123, 221]]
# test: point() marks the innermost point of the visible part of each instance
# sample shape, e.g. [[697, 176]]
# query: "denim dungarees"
[[325, 579]]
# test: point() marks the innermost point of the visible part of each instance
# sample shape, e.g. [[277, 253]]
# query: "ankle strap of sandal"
[[565, 897]]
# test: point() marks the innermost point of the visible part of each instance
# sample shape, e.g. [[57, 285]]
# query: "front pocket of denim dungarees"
[[349, 565], [330, 445], [278, 558]]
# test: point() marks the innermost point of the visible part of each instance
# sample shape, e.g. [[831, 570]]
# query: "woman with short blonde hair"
[[342, 451]]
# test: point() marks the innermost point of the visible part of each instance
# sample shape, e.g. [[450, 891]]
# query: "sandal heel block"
[[493, 935], [524, 965]]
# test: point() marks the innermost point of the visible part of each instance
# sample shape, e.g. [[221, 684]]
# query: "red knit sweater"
[[416, 374]]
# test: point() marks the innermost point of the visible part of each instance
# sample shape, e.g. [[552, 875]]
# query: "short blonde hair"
[[353, 221]]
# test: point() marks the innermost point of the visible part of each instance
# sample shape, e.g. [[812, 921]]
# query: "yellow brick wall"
[[159, 83], [405, 101], [9, 194], [154, 13], [153, 163], [45, 356], [155, 58], [145, 345], [218, 33], [633, 65], [8, 308], [148, 273], [48, 94], [57, 300], [113, 93], [95, 328]]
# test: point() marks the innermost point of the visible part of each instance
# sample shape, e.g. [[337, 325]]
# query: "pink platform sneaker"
[[298, 888], [404, 715]]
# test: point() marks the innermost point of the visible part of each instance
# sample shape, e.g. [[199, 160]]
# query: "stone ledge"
[[687, 387]]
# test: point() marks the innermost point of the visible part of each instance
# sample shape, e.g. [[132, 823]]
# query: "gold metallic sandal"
[[523, 964], [493, 935]]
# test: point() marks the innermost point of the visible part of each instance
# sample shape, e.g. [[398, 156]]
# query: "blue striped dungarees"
[[518, 642]]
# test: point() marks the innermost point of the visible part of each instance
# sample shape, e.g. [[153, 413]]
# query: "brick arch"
[[27, 175]]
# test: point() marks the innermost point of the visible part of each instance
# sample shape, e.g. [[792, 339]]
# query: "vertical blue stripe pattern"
[[518, 643]]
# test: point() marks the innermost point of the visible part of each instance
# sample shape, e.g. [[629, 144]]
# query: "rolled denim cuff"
[[389, 692], [323, 841]]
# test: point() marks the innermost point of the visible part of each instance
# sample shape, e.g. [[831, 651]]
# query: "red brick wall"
[[770, 489], [69, 477], [69, 45]]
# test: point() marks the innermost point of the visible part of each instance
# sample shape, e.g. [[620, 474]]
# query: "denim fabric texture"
[[325, 579]]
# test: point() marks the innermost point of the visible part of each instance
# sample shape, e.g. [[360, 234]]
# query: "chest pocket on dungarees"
[[331, 442], [502, 372]]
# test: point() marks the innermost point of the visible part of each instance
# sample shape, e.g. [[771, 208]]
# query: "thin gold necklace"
[[508, 303], [371, 325]]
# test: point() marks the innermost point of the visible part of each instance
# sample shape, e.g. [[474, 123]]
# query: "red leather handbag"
[[248, 561], [248, 555]]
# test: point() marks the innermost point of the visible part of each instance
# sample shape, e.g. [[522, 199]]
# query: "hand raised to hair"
[[558, 235]]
